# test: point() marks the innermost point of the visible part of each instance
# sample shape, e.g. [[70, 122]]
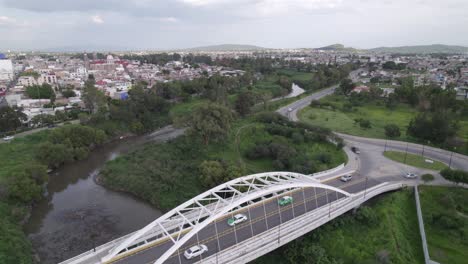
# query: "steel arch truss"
[[184, 221]]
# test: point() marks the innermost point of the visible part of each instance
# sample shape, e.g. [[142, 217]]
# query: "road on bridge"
[[262, 216]]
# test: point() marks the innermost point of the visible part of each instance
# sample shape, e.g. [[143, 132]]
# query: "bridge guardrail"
[[268, 241]]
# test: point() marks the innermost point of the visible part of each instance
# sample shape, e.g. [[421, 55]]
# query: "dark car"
[[355, 150]]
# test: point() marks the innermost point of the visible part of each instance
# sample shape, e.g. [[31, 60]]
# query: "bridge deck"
[[262, 217]]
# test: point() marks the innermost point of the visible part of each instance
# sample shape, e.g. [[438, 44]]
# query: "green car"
[[285, 200]]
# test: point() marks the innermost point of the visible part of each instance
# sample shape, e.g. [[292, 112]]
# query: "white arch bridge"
[[203, 220]]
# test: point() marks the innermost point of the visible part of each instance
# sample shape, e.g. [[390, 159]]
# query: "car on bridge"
[[237, 219], [346, 178], [195, 251], [285, 200]]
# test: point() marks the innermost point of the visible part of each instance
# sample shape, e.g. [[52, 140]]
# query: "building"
[[6, 69]]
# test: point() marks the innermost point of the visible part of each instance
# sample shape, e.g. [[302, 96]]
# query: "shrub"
[[455, 175], [427, 177], [392, 131]]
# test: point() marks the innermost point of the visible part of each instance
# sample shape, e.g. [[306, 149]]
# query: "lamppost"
[[406, 152], [451, 155]]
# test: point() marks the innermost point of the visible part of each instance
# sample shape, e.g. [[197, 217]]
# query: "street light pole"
[[365, 188], [406, 152], [385, 148], [450, 162]]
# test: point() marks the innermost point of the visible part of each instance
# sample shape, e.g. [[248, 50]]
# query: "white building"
[[6, 70]]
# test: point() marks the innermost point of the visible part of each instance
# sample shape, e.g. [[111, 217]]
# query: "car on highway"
[[237, 219], [410, 175], [8, 138], [290, 109], [346, 178], [285, 200], [195, 251]]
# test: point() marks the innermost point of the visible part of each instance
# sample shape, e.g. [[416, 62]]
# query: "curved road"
[[373, 169]]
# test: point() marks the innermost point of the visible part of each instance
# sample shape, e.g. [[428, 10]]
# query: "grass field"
[[414, 160], [392, 237], [377, 114], [445, 213]]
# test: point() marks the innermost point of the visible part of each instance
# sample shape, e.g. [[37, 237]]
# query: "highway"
[[262, 216]]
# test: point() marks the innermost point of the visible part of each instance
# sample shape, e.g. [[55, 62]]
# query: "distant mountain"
[[336, 47], [423, 49], [226, 47]]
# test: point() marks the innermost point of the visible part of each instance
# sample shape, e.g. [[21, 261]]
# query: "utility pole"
[[451, 155], [406, 152], [365, 188]]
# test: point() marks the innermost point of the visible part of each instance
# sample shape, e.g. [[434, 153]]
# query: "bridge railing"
[[266, 242]]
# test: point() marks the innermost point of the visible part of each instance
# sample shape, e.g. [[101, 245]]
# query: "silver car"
[[410, 175], [195, 251], [346, 178]]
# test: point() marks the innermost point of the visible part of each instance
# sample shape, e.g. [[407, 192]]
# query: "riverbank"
[[169, 174], [25, 184]]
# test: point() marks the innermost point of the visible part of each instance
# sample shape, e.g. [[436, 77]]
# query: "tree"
[[245, 100], [392, 131], [43, 91], [435, 127], [11, 118], [210, 121], [346, 86], [42, 120], [54, 155], [68, 93], [92, 97], [211, 173]]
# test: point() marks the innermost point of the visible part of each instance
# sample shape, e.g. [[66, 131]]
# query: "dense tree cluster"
[[11, 119], [156, 58], [44, 91], [391, 65], [213, 172], [70, 142], [210, 122]]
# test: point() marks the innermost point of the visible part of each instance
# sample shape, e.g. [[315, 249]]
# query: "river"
[[77, 213]]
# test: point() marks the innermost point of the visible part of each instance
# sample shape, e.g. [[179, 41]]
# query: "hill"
[[336, 47], [226, 47], [422, 49]]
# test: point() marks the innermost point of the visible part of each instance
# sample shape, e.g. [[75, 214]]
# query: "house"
[[362, 88]]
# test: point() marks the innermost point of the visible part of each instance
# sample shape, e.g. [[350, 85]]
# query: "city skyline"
[[160, 25]]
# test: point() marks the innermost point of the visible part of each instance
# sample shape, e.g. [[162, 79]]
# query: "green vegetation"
[[455, 175], [170, 173], [446, 127], [332, 114], [384, 232], [23, 174], [445, 214], [414, 160], [427, 177], [44, 91]]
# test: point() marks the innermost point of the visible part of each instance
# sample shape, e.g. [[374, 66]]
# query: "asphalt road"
[[262, 216], [457, 161]]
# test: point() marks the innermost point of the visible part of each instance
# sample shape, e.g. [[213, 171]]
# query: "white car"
[[410, 175], [290, 109], [346, 178], [237, 219], [8, 138], [195, 251]]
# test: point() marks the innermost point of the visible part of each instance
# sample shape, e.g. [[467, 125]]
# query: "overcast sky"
[[165, 24]]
